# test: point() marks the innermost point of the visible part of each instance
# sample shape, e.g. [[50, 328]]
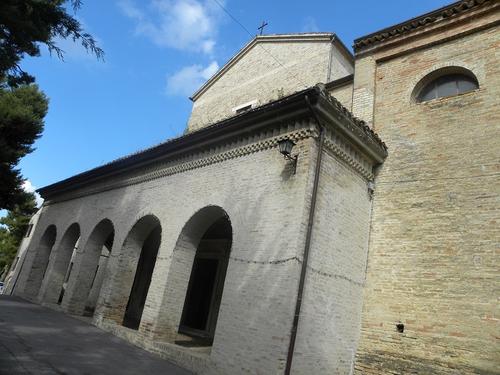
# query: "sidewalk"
[[37, 340]]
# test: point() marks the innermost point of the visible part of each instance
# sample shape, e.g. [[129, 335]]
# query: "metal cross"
[[261, 27]]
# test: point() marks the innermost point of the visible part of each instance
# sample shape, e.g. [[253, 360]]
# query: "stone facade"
[[239, 174], [402, 268], [433, 262], [270, 67]]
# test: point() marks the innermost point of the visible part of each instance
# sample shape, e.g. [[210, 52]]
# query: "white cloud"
[[187, 80], [309, 25], [28, 186], [189, 25]]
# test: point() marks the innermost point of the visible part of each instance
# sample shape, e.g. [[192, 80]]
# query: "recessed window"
[[444, 83], [245, 107], [28, 230]]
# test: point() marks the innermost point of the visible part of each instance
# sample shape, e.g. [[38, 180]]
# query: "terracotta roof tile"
[[418, 22]]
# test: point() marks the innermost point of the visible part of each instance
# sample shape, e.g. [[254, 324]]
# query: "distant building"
[[348, 255]]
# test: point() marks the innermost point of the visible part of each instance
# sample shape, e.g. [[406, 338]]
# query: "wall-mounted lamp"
[[285, 147]]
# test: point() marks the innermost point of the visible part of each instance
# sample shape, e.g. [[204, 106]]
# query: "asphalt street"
[[38, 340]]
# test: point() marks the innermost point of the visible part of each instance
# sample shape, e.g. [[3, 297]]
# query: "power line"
[[234, 18], [261, 46]]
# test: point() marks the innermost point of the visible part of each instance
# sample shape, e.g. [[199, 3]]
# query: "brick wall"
[[433, 263], [330, 319]]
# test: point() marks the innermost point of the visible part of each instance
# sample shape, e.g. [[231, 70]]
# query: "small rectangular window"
[[243, 109], [28, 231]]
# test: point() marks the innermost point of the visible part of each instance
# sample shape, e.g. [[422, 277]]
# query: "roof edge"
[[153, 153], [412, 24], [340, 82], [251, 120], [301, 37]]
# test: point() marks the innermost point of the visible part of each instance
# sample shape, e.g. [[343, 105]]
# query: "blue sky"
[[157, 52]]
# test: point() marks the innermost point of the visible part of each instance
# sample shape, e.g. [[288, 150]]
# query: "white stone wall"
[[329, 325], [265, 205], [258, 76], [268, 207]]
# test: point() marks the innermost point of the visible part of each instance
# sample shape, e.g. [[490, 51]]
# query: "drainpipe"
[[307, 246]]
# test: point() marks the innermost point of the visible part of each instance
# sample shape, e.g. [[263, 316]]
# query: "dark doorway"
[[204, 294], [142, 279]]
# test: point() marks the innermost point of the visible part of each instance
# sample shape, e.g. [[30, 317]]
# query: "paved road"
[[37, 340]]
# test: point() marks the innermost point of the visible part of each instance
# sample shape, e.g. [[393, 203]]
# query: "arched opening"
[[135, 270], [86, 274], [61, 266], [40, 262], [98, 278], [206, 283], [445, 82], [67, 274]]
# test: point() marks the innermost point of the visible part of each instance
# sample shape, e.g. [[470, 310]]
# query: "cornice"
[[348, 138], [201, 159], [339, 147], [341, 82], [340, 121], [421, 22]]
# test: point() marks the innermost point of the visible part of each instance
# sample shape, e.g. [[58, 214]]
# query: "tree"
[[13, 228], [22, 110], [25, 25]]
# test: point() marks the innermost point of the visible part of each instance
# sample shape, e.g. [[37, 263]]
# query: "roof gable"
[[276, 38]]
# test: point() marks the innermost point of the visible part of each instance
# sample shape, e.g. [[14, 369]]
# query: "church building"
[[324, 213]]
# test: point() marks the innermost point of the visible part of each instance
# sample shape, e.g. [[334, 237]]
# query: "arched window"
[[445, 82]]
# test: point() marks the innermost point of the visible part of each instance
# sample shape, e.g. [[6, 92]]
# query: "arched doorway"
[[206, 282], [40, 262], [195, 281], [135, 269], [61, 265], [84, 272]]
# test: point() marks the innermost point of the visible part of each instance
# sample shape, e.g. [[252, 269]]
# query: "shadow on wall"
[[262, 267]]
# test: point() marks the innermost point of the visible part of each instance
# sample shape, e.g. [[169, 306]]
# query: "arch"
[[196, 279], [41, 260], [136, 263], [445, 82], [61, 265], [86, 279]]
